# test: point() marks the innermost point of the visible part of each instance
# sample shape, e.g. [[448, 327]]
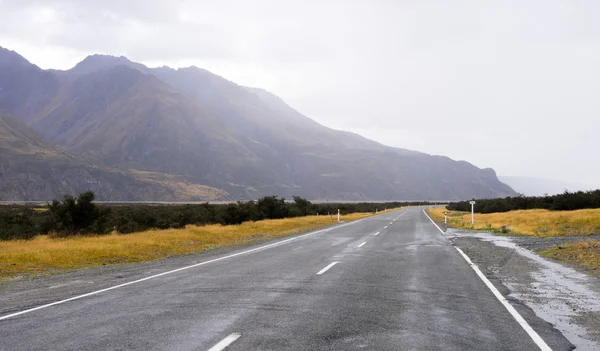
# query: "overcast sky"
[[512, 85]]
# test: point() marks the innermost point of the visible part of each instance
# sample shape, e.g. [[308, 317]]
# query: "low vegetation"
[[541, 223], [568, 201], [81, 216], [76, 232], [585, 253], [45, 254]]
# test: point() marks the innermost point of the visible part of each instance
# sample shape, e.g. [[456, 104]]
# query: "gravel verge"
[[564, 296]]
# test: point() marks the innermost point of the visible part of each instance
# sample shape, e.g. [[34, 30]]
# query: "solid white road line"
[[361, 245], [532, 333], [225, 342], [435, 224], [376, 233], [522, 322], [327, 268], [177, 270]]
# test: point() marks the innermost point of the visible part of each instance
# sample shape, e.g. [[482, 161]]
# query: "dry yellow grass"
[[43, 254], [585, 253], [540, 223]]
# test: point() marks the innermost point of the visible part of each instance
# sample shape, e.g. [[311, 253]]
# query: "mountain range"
[[130, 132]]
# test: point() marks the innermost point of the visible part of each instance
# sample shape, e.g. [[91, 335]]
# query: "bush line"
[[80, 215], [567, 201]]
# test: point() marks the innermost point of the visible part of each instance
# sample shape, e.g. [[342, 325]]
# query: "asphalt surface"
[[406, 288]]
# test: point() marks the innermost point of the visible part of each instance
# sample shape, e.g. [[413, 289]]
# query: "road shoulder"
[[539, 288]]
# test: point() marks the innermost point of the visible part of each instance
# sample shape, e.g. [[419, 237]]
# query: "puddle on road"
[[558, 294]]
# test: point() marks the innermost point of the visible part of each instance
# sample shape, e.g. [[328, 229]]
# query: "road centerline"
[[221, 345], [327, 267], [137, 281], [361, 245], [376, 233]]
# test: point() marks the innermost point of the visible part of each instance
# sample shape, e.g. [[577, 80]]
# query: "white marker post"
[[445, 217], [338, 214], [472, 212]]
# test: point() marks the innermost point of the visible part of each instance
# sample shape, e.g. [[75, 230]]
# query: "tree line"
[[77, 215], [566, 201]]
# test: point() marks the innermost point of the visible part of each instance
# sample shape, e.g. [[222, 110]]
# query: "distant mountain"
[[25, 89], [33, 169], [531, 186], [201, 131], [97, 63]]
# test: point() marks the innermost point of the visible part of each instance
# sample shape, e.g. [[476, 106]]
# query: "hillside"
[[33, 169], [25, 89], [189, 125]]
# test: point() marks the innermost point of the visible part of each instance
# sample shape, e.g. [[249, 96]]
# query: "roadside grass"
[[539, 223], [44, 254], [585, 253]]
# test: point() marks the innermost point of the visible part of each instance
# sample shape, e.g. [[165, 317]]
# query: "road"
[[388, 282]]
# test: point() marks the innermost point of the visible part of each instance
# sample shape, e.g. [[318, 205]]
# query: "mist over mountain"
[[188, 131], [532, 186]]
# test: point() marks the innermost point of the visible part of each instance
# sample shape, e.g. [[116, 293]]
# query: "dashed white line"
[[537, 339], [327, 267], [361, 245], [385, 227], [376, 233], [225, 342]]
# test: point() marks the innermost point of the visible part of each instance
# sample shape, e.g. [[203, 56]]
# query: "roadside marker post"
[[445, 217], [338, 214], [472, 212]]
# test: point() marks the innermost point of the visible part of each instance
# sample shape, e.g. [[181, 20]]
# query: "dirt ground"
[[565, 296]]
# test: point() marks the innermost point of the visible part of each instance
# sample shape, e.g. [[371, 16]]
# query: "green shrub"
[[79, 216], [566, 201]]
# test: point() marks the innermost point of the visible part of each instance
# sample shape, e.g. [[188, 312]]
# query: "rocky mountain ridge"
[[200, 131]]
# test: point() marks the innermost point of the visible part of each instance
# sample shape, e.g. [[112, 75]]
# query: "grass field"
[[585, 253], [541, 223], [47, 255]]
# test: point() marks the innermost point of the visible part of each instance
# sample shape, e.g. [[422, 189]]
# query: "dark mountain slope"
[[189, 125], [123, 118], [411, 171], [248, 113], [25, 89], [33, 169]]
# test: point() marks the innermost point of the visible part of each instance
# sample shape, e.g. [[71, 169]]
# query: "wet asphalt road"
[[406, 288]]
